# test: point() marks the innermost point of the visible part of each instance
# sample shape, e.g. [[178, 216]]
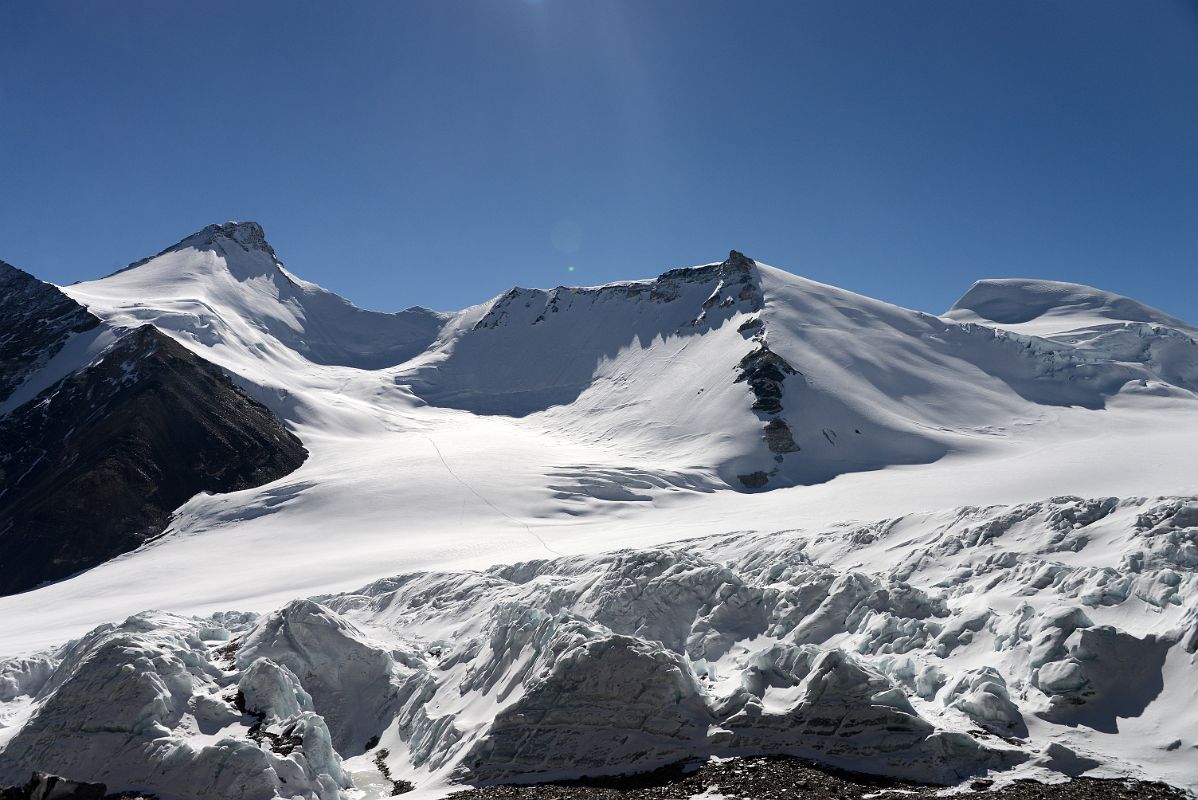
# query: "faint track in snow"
[[494, 507]]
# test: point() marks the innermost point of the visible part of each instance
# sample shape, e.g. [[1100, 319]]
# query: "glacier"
[[586, 530], [1001, 643]]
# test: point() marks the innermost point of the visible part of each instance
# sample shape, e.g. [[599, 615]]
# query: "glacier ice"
[[738, 644]]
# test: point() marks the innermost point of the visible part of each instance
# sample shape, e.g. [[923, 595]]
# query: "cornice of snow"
[[1044, 307]]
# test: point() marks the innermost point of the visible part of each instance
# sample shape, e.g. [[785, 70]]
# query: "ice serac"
[[225, 286], [634, 660], [142, 706], [94, 466], [600, 700], [352, 682]]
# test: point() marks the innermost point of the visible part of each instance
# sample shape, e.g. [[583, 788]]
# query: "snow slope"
[[568, 422]]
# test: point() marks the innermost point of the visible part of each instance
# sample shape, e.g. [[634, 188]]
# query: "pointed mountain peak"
[[737, 268], [737, 259], [223, 236], [249, 235], [11, 275]]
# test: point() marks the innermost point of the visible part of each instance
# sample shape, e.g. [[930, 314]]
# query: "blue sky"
[[438, 152]]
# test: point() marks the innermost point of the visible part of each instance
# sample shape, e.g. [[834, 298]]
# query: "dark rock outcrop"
[[93, 466], [52, 787], [36, 320], [765, 371], [751, 324], [754, 480], [778, 437]]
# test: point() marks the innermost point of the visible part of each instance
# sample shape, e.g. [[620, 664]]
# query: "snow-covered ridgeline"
[[1059, 635], [656, 367]]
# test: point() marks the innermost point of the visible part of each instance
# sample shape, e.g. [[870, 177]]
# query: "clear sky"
[[437, 152]]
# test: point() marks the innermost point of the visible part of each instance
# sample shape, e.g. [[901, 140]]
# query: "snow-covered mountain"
[[104, 431], [740, 371], [224, 285], [978, 623]]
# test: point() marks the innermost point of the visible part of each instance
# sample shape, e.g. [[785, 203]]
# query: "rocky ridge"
[[36, 322], [94, 466]]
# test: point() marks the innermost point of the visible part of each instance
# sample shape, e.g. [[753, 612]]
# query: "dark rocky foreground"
[[793, 779], [767, 778], [42, 786]]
